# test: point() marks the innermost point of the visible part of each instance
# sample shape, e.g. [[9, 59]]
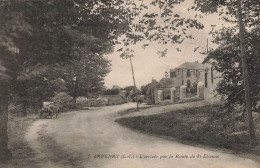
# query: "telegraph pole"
[[207, 46], [137, 107]]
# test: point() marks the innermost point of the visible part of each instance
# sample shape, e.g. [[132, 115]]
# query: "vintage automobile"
[[49, 109]]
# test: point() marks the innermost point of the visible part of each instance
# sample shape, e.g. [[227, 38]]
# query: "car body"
[[49, 109]]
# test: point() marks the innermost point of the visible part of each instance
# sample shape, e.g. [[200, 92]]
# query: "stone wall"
[[179, 95], [173, 95], [182, 92]]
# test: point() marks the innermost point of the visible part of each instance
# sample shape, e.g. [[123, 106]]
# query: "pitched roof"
[[192, 65]]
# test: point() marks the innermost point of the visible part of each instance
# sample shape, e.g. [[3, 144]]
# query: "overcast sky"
[[148, 64]]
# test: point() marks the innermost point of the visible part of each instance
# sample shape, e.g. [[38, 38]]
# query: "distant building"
[[189, 74]]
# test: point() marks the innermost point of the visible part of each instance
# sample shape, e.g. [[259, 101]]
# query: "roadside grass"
[[208, 125], [57, 154], [22, 154]]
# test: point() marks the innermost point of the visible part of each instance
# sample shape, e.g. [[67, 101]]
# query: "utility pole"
[[245, 75], [207, 46], [137, 107]]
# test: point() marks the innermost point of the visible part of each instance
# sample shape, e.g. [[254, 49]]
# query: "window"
[[188, 72]]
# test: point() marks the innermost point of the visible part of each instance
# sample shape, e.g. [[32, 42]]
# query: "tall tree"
[[174, 29], [247, 16], [164, 25], [227, 61], [245, 73], [36, 36]]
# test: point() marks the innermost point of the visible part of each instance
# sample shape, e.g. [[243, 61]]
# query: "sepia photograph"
[[129, 83]]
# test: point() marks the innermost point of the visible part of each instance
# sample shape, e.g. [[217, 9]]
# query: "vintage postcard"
[[129, 84]]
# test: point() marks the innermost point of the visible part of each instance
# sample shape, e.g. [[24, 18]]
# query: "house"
[[189, 74]]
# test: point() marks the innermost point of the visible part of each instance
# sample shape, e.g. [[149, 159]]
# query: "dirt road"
[[91, 139]]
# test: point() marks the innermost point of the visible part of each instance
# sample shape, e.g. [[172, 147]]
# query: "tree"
[[90, 73], [144, 89], [37, 36], [173, 30], [147, 27], [227, 61], [33, 91], [149, 90], [111, 91], [6, 74], [164, 26], [245, 74], [250, 19], [128, 89]]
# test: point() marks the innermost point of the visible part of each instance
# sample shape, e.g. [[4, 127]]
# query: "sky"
[[149, 65]]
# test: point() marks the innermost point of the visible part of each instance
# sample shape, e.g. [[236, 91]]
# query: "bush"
[[63, 100], [113, 100], [85, 102], [14, 108], [111, 92]]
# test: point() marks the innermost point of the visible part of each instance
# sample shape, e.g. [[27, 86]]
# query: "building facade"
[[188, 75]]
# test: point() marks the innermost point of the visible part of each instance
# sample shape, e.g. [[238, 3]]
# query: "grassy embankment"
[[22, 154], [208, 126]]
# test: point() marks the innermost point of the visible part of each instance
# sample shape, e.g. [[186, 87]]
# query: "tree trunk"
[[24, 107], [245, 75], [75, 91], [4, 151], [74, 102]]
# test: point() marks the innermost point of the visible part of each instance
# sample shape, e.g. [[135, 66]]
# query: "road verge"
[[208, 125]]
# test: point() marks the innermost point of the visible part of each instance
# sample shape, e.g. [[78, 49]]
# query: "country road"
[[91, 139]]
